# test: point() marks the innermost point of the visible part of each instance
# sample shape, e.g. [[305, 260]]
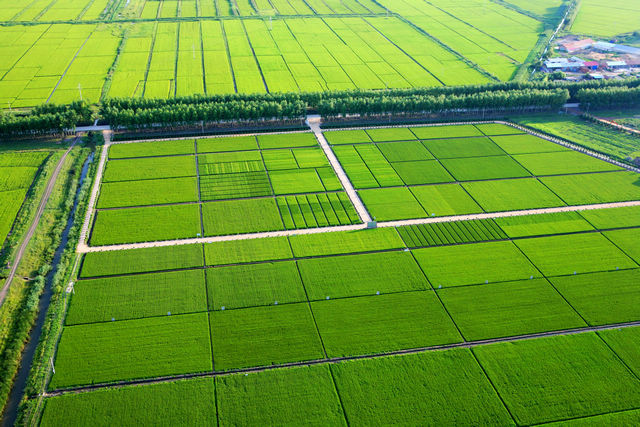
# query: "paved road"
[[34, 223], [463, 344], [86, 249], [314, 124]]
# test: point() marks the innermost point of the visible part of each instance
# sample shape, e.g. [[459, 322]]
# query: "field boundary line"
[[333, 360], [83, 248], [314, 123]]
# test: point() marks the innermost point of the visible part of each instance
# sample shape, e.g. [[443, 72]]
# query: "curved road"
[[34, 223]]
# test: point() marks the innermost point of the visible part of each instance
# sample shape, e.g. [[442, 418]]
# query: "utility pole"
[[80, 90]]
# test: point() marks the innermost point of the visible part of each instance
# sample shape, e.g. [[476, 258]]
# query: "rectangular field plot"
[[462, 147], [624, 343], [417, 389], [226, 143], [243, 251], [563, 163], [337, 137], [602, 219], [507, 309], [455, 131], [146, 224], [422, 172], [577, 253], [149, 168], [345, 242], [404, 151], [140, 295], [263, 336], [444, 200], [474, 264], [627, 240], [152, 149], [543, 224], [390, 134], [254, 284], [512, 194], [603, 298], [148, 192], [152, 404], [491, 129], [558, 378], [317, 210], [301, 395], [287, 140], [482, 168], [525, 143], [446, 233], [357, 275], [240, 216], [379, 323], [595, 187], [386, 204], [99, 264], [131, 349]]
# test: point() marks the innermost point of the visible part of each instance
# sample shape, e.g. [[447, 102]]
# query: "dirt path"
[[314, 124], [34, 224], [86, 249], [82, 241], [463, 344]]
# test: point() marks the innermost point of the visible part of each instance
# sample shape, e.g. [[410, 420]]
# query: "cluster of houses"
[[630, 58]]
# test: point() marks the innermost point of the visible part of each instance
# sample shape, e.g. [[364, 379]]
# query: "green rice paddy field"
[[57, 52], [328, 312]]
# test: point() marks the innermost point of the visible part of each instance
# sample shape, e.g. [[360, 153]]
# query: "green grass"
[[289, 140], [151, 148], [228, 143], [146, 224], [419, 389], [356, 275], [478, 168], [474, 264], [444, 200], [466, 147], [97, 264], [624, 343], [543, 224], [404, 151], [512, 194], [386, 204], [295, 396], [263, 336], [129, 349], [455, 131], [525, 143], [558, 378], [131, 297], [155, 404], [628, 216], [240, 251], [581, 253], [296, 181], [380, 323], [629, 417], [507, 309], [603, 298], [390, 134], [627, 240], [345, 242], [422, 172], [240, 216], [149, 168], [444, 233], [148, 192], [337, 137], [254, 284], [563, 162], [497, 129]]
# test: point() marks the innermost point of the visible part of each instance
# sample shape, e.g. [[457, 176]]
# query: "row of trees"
[[45, 119], [609, 97]]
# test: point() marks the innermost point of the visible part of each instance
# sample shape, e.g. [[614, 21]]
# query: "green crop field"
[[606, 19]]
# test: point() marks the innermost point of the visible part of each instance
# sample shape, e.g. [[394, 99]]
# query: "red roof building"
[[575, 46]]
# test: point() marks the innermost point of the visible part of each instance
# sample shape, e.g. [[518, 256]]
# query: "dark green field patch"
[[141, 348], [419, 389], [390, 134], [356, 275], [404, 151], [563, 162], [374, 324], [512, 194], [140, 295], [445, 200], [386, 204], [254, 284], [557, 378], [474, 264], [603, 298], [624, 342], [507, 309], [525, 143], [148, 192], [465, 147], [345, 242], [454, 131], [478, 168], [543, 224], [497, 129], [422, 172], [590, 188], [627, 240], [240, 216], [263, 336], [241, 251], [149, 168], [628, 216]]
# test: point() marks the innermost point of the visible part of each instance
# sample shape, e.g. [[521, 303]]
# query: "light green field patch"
[[422, 172], [148, 192], [227, 143], [337, 137], [595, 187], [241, 251], [563, 162], [444, 200], [627, 240], [391, 134], [345, 242], [404, 151], [463, 147], [476, 263], [479, 168], [149, 168], [525, 143], [456, 131], [624, 342], [512, 194], [497, 129], [386, 204], [543, 224], [287, 140], [151, 148], [628, 216]]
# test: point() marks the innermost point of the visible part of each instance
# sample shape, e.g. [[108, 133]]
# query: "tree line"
[[609, 97]]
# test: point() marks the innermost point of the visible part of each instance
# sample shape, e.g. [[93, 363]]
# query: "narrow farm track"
[[34, 224], [83, 248], [464, 344]]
